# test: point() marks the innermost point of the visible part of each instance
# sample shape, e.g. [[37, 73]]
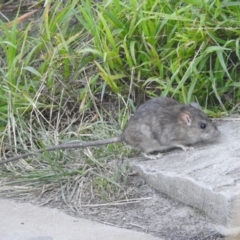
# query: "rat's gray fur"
[[159, 124]]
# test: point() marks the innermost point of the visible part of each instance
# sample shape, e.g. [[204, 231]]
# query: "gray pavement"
[[207, 178], [23, 221]]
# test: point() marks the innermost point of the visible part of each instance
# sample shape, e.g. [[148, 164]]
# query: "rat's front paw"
[[152, 156], [185, 148]]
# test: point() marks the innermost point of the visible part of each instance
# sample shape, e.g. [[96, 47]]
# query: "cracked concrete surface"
[[24, 221], [207, 178]]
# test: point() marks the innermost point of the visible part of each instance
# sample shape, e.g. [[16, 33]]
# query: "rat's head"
[[198, 127]]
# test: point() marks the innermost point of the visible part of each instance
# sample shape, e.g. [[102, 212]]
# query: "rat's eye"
[[203, 125]]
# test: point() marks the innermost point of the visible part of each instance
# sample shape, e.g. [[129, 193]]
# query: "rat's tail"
[[64, 146]]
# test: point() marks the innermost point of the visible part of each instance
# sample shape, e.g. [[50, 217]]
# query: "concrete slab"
[[23, 221], [207, 178]]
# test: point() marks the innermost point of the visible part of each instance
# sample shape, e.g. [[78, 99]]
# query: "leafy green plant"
[[186, 49]]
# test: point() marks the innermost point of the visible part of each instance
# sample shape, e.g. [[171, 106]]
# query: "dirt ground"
[[147, 211], [156, 214], [151, 212]]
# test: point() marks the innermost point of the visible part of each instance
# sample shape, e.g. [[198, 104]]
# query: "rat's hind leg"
[[150, 146]]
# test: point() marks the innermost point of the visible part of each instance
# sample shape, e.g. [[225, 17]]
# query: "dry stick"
[[62, 147], [121, 202], [22, 18]]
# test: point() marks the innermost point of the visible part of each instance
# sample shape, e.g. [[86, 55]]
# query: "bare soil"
[[146, 211], [156, 214]]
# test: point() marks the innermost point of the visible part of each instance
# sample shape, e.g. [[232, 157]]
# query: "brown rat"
[[159, 124], [163, 123]]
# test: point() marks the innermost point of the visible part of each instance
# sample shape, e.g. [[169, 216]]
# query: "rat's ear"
[[195, 105], [185, 118]]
